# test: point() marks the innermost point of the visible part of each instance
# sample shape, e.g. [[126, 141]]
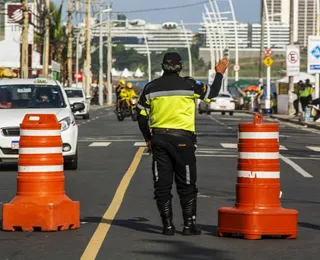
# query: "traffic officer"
[[169, 104]]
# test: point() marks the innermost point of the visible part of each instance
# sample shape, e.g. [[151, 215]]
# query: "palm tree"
[[58, 35]]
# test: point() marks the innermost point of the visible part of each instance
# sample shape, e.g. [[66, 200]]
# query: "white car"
[[19, 97], [76, 95], [223, 103]]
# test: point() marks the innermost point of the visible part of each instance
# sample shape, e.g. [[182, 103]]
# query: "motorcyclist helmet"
[[129, 85], [122, 82]]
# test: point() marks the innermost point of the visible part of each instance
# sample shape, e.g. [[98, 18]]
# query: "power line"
[[159, 9]]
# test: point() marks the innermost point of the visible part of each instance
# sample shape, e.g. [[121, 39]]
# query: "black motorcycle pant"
[[174, 157]]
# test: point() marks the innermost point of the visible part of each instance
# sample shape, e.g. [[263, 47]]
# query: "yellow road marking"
[[99, 235]]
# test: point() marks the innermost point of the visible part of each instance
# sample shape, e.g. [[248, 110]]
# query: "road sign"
[[293, 60], [268, 52], [268, 61], [313, 54], [236, 67]]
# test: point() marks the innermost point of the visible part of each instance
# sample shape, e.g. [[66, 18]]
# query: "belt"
[[179, 132]]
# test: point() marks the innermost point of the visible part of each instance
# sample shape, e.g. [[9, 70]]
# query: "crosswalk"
[[220, 147]]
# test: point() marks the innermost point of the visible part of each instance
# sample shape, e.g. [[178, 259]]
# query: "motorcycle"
[[128, 109]]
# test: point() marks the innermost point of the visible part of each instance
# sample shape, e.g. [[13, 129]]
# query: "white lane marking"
[[100, 144], [259, 175], [42, 168], [139, 144], [296, 167], [231, 119], [40, 150], [229, 145], [40, 132], [258, 155], [89, 121], [217, 121], [215, 155], [314, 148], [283, 148], [258, 135], [212, 152]]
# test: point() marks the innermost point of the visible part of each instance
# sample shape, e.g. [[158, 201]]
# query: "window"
[[74, 93], [31, 96]]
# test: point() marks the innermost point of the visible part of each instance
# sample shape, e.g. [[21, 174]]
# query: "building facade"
[[159, 37]]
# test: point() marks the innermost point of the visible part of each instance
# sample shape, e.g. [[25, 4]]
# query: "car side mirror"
[[77, 107]]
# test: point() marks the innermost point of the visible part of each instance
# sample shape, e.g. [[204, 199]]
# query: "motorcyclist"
[[127, 93], [121, 85]]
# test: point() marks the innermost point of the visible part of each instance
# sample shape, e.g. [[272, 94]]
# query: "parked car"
[[77, 95], [39, 96], [223, 103]]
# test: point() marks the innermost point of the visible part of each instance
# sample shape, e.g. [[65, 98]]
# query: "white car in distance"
[[223, 103], [19, 97], [75, 95]]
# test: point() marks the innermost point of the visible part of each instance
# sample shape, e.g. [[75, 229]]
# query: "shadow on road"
[[141, 224], [309, 225], [8, 167], [182, 250]]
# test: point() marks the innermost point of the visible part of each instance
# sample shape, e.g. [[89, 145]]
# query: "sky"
[[245, 10]]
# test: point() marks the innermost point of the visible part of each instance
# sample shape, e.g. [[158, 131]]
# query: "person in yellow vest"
[[127, 93]]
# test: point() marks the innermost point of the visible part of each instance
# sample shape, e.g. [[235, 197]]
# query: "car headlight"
[[65, 123]]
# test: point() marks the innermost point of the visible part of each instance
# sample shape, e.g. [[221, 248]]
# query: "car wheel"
[[87, 116], [73, 165], [208, 112], [200, 112], [231, 113], [223, 113]]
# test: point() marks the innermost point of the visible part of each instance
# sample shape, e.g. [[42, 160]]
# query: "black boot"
[[165, 210], [189, 211]]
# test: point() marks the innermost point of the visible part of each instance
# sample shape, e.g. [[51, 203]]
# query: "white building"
[[304, 17], [228, 34], [279, 35], [160, 37]]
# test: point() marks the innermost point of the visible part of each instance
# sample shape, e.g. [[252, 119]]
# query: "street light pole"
[[225, 45], [236, 41], [149, 58], [318, 34], [189, 49], [100, 60], [109, 59], [268, 101], [291, 83]]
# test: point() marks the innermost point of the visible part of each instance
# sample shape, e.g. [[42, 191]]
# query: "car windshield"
[[74, 93], [31, 96], [224, 95]]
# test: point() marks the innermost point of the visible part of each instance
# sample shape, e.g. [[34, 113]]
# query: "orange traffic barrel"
[[258, 209], [41, 203]]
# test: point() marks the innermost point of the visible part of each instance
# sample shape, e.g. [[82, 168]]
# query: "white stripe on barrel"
[[43, 168], [258, 155], [40, 150], [259, 174], [24, 132], [258, 135]]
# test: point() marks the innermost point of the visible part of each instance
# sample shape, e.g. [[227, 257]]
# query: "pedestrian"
[[169, 104]]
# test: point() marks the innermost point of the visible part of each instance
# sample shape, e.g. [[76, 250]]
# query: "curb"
[[310, 125]]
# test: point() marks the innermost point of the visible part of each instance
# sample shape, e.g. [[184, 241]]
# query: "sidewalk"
[[296, 120]]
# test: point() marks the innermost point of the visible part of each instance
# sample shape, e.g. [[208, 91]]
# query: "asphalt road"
[[119, 219]]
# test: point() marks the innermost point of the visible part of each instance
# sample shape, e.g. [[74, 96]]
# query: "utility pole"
[[291, 83], [262, 40], [109, 58], [24, 68], [46, 41], [101, 60], [70, 43], [87, 63]]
